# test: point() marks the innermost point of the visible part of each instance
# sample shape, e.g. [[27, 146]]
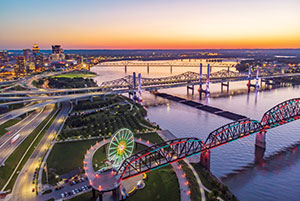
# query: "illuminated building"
[[57, 53], [38, 62], [20, 66], [35, 50], [3, 57], [26, 53], [57, 49]]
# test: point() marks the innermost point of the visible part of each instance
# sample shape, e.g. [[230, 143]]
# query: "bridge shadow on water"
[[279, 161]]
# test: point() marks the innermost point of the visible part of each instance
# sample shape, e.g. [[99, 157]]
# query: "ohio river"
[[277, 177]]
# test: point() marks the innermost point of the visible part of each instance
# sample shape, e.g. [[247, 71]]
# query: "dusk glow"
[[150, 24]]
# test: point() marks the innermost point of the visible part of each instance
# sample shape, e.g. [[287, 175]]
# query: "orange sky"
[[162, 24]]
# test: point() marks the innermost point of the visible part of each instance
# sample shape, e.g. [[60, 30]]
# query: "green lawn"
[[16, 156], [152, 137], [75, 75], [67, 156]]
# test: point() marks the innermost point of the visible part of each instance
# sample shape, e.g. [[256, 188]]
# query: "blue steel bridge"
[[171, 151]]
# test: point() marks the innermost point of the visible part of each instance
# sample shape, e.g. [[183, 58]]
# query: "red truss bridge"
[[171, 151]]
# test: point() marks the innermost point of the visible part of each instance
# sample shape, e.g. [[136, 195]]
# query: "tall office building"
[[26, 53], [20, 66], [35, 50], [57, 49], [57, 53], [3, 57]]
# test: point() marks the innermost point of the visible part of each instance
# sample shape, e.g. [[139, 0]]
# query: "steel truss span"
[[232, 131], [171, 151], [159, 155], [282, 113], [126, 82]]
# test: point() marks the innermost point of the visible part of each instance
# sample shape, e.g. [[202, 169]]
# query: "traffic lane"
[[23, 186], [8, 148]]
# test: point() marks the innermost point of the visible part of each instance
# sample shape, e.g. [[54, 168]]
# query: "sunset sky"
[[157, 24]]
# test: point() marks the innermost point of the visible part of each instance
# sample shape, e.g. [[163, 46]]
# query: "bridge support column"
[[226, 85], [125, 68], [259, 154], [91, 98], [58, 104], [76, 101], [116, 193], [94, 193], [190, 87], [100, 196], [148, 69], [171, 70], [205, 159], [261, 139]]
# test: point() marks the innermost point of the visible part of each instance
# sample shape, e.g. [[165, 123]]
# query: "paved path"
[[167, 135]]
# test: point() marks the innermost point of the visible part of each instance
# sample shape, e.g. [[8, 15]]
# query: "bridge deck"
[[200, 106]]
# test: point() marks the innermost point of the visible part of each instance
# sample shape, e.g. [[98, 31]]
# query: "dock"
[[200, 106]]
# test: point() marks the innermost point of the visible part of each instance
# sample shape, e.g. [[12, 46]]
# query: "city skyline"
[[150, 25]]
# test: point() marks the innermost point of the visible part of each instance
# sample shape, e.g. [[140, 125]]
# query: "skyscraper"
[[35, 50], [57, 53], [57, 49], [20, 66], [26, 53]]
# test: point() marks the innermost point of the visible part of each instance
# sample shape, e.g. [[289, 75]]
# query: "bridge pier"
[[148, 69], [171, 70], [91, 99], [226, 85], [260, 140], [125, 68], [188, 87], [259, 154], [205, 159], [116, 193]]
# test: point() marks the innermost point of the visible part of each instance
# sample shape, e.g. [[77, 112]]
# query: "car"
[[73, 192], [32, 189], [76, 190], [62, 195]]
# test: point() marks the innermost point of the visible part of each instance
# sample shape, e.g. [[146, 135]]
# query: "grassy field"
[[75, 75], [72, 157], [16, 156]]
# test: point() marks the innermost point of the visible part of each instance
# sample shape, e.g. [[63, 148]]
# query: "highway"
[[22, 189], [23, 129]]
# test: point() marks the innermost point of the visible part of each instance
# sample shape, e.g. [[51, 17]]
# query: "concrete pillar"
[[76, 101], [261, 139], [100, 196], [171, 70], [259, 155], [91, 98], [125, 68], [205, 159], [148, 69], [94, 193], [116, 194], [207, 78]]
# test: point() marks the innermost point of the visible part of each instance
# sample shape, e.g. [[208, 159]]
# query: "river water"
[[276, 177]]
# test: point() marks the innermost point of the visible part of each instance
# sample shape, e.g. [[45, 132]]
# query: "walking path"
[[167, 135]]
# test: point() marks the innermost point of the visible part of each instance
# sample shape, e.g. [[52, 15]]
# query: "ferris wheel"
[[120, 147]]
